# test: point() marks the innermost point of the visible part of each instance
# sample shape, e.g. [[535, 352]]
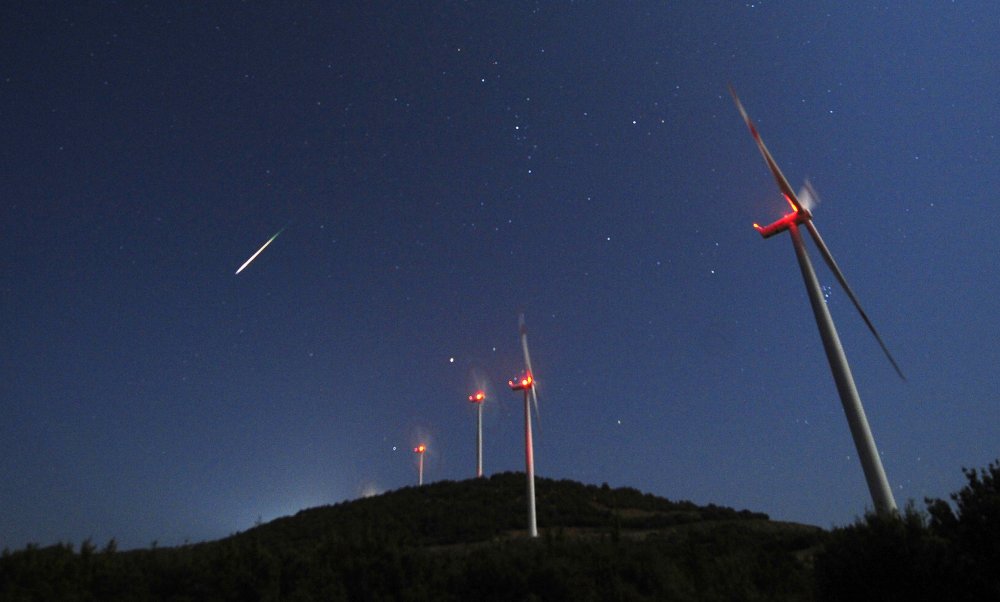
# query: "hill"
[[453, 541]]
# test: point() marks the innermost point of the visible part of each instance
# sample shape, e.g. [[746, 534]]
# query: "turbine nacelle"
[[521, 384], [797, 217], [478, 397], [420, 449], [801, 204]]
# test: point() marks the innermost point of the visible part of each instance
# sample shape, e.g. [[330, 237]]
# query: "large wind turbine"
[[527, 384], [878, 485]]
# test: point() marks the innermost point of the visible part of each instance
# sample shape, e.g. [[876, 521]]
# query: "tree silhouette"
[[949, 553]]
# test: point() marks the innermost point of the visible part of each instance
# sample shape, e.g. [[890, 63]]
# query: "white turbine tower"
[[419, 450], [527, 384], [878, 484], [478, 398]]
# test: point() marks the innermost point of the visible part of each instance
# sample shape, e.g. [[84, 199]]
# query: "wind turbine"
[[527, 384], [419, 450], [878, 485], [478, 399]]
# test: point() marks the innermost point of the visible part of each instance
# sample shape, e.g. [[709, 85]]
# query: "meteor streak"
[[254, 256]]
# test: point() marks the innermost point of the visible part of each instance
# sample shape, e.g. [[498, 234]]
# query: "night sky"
[[439, 168]]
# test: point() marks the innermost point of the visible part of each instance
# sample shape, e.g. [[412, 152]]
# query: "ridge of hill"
[[451, 512], [453, 540]]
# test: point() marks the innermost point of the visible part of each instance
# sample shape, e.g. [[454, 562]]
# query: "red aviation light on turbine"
[[478, 397], [521, 384], [799, 215], [420, 448]]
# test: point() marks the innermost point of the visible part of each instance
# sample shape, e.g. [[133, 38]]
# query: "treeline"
[[449, 541], [949, 552], [465, 541], [734, 561]]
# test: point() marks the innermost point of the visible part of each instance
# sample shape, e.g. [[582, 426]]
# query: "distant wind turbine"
[[419, 450], [527, 384], [878, 485], [478, 398]]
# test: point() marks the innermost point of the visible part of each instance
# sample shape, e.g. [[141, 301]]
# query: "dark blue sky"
[[439, 167]]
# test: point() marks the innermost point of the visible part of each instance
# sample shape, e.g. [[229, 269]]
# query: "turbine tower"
[[478, 399], [419, 450], [878, 485], [527, 384]]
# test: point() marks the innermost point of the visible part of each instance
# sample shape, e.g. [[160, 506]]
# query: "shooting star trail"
[[254, 256]]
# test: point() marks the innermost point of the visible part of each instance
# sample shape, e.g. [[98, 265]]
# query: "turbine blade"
[[808, 196], [523, 330], [527, 362], [786, 189], [534, 402], [825, 252]]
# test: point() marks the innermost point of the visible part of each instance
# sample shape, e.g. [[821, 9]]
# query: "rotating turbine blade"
[[825, 252], [808, 196], [527, 362], [786, 189]]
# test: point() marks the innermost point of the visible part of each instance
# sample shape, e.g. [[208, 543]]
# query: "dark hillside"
[[453, 541], [449, 512]]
